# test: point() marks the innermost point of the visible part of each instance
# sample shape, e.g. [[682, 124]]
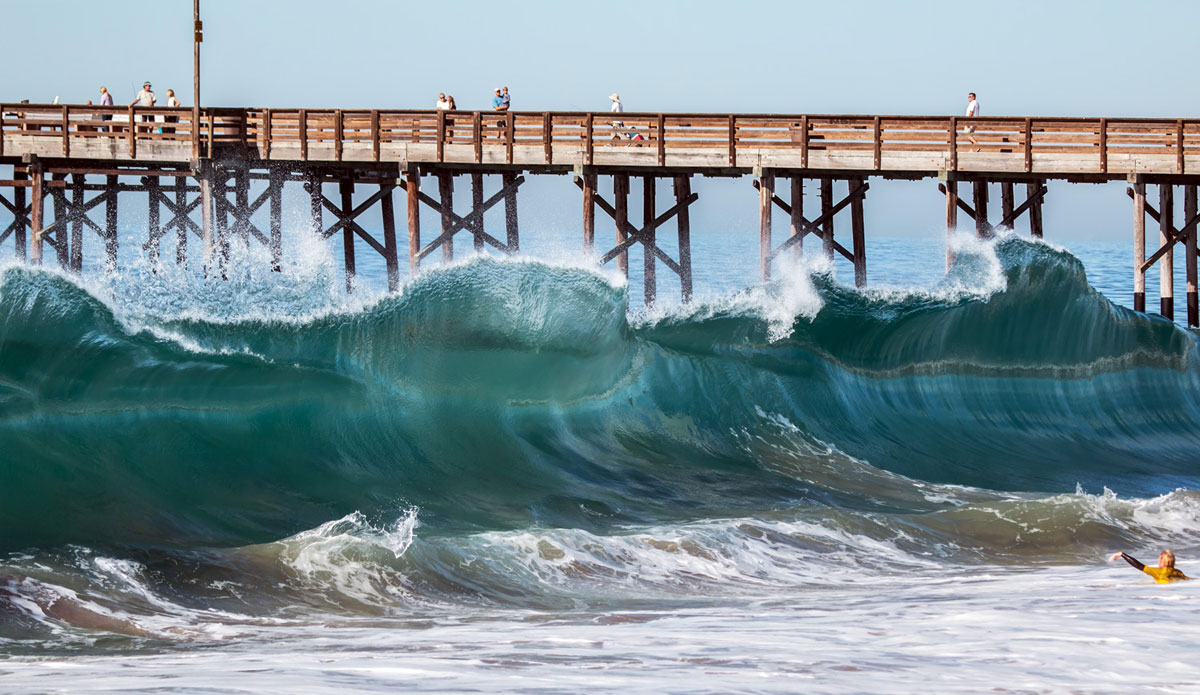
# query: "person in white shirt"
[[972, 112], [617, 107], [443, 104], [145, 98], [173, 103]]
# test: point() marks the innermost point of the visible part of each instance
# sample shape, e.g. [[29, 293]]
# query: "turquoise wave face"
[[499, 395]]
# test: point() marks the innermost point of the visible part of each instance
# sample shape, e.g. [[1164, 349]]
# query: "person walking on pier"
[[617, 107], [1165, 573], [972, 112], [105, 100]]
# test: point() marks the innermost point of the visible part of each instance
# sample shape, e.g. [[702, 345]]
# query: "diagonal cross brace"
[[181, 217], [76, 213], [633, 236], [962, 204], [1020, 210], [241, 221], [344, 218], [814, 227], [1175, 235], [460, 223]]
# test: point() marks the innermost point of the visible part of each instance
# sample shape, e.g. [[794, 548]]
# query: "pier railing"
[[922, 144]]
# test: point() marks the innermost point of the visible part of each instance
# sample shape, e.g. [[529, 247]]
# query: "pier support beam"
[[1006, 200], [511, 229], [1139, 244], [77, 215], [476, 226], [649, 279], [950, 188], [110, 225], [982, 229], [204, 177], [621, 217], [346, 188], [1189, 214], [766, 194], [446, 194], [181, 225], [37, 209], [589, 213], [412, 186], [275, 191], [827, 216], [20, 224], [153, 222], [391, 254], [683, 192], [1166, 266], [1035, 210], [796, 217], [858, 234]]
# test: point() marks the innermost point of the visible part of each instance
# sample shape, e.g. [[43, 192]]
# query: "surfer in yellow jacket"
[[1165, 573]]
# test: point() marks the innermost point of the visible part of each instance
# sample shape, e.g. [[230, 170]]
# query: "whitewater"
[[507, 478]]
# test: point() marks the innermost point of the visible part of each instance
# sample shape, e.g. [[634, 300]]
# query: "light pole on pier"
[[198, 36]]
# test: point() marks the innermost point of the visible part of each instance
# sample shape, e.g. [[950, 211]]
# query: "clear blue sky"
[[1022, 58]]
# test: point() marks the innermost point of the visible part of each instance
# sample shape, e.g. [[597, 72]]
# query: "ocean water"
[[512, 477]]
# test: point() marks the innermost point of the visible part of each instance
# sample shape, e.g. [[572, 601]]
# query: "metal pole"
[[197, 36]]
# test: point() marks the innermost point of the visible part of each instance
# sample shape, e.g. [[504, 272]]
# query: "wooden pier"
[[81, 157]]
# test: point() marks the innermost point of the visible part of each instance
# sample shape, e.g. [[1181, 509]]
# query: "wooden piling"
[[412, 186], [1139, 243], [1189, 213], [858, 231], [346, 188], [446, 192], [683, 191], [1006, 200], [797, 217], [206, 218], [221, 179], [827, 213], [1035, 210], [589, 213], [110, 224], [511, 230], [476, 226], [77, 215], [241, 197], [982, 230], [37, 175], [649, 280], [391, 256], [621, 206], [22, 220], [153, 221], [766, 193], [61, 236], [181, 232], [1166, 264], [951, 218], [275, 193]]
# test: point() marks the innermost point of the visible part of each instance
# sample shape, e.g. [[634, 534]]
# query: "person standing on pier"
[[500, 104], [173, 103], [972, 112], [105, 100], [443, 104], [145, 98]]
